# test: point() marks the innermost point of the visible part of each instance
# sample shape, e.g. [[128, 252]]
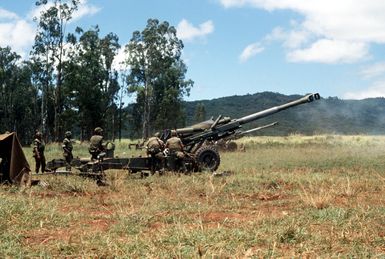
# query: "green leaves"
[[157, 76]]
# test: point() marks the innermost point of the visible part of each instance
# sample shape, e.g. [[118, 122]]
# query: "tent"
[[14, 167]]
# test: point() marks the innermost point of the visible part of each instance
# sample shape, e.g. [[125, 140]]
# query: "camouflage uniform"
[[67, 147], [96, 143], [175, 145], [38, 153], [155, 148]]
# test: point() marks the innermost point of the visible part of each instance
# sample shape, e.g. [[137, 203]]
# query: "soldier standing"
[[175, 146], [155, 147], [96, 143], [38, 152], [67, 148]]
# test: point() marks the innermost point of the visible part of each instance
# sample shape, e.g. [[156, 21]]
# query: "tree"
[[48, 55], [93, 86], [200, 112], [157, 76], [18, 97]]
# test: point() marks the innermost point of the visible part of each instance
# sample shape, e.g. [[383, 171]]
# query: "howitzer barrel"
[[255, 116]]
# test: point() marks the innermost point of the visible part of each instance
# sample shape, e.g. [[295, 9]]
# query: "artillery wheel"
[[207, 158], [231, 146]]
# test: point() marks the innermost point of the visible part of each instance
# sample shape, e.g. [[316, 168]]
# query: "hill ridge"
[[325, 116]]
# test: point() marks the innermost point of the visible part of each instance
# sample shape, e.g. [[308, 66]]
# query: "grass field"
[[290, 196]]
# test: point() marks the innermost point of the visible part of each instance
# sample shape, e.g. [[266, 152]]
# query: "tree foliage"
[[93, 86], [48, 55], [157, 77], [69, 82], [18, 97]]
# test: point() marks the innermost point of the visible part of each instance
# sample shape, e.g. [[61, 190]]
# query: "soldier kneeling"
[[97, 144], [176, 149], [155, 147]]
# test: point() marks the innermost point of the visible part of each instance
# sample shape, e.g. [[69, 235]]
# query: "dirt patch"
[[223, 216], [98, 224], [44, 236], [56, 194], [87, 211]]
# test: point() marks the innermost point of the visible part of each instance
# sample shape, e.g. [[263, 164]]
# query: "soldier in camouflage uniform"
[[175, 146], [38, 152], [67, 148], [155, 147], [96, 143]]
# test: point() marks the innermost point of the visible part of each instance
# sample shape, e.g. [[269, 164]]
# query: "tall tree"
[[157, 76], [48, 55], [93, 86]]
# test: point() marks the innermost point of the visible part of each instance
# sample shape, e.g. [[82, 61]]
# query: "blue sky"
[[235, 47]]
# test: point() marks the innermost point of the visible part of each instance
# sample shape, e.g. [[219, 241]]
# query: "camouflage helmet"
[[98, 130], [157, 135], [68, 134]]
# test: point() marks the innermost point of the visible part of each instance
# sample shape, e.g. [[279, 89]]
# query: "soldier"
[[96, 143], [67, 148], [175, 146], [38, 152], [155, 147]]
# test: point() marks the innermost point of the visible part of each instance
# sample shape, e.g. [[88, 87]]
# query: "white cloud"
[[17, 34], [376, 90], [357, 22], [250, 51], [186, 31], [374, 70], [119, 59], [4, 14], [330, 51], [291, 39], [84, 9]]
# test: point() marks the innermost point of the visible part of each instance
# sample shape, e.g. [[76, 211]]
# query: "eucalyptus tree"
[[92, 89], [48, 55], [157, 76]]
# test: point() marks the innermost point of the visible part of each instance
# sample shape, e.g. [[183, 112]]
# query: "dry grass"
[[320, 196]]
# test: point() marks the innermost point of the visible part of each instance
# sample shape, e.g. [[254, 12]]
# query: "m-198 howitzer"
[[205, 157]]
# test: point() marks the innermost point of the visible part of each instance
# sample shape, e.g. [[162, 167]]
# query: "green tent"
[[14, 167]]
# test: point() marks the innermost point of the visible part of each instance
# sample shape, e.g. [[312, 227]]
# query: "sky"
[[237, 47]]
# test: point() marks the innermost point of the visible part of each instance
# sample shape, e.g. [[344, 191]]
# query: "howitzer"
[[194, 137], [212, 130]]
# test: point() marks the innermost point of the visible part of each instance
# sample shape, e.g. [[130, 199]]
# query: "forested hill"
[[328, 115]]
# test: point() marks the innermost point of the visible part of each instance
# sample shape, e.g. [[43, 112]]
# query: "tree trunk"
[[146, 113]]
